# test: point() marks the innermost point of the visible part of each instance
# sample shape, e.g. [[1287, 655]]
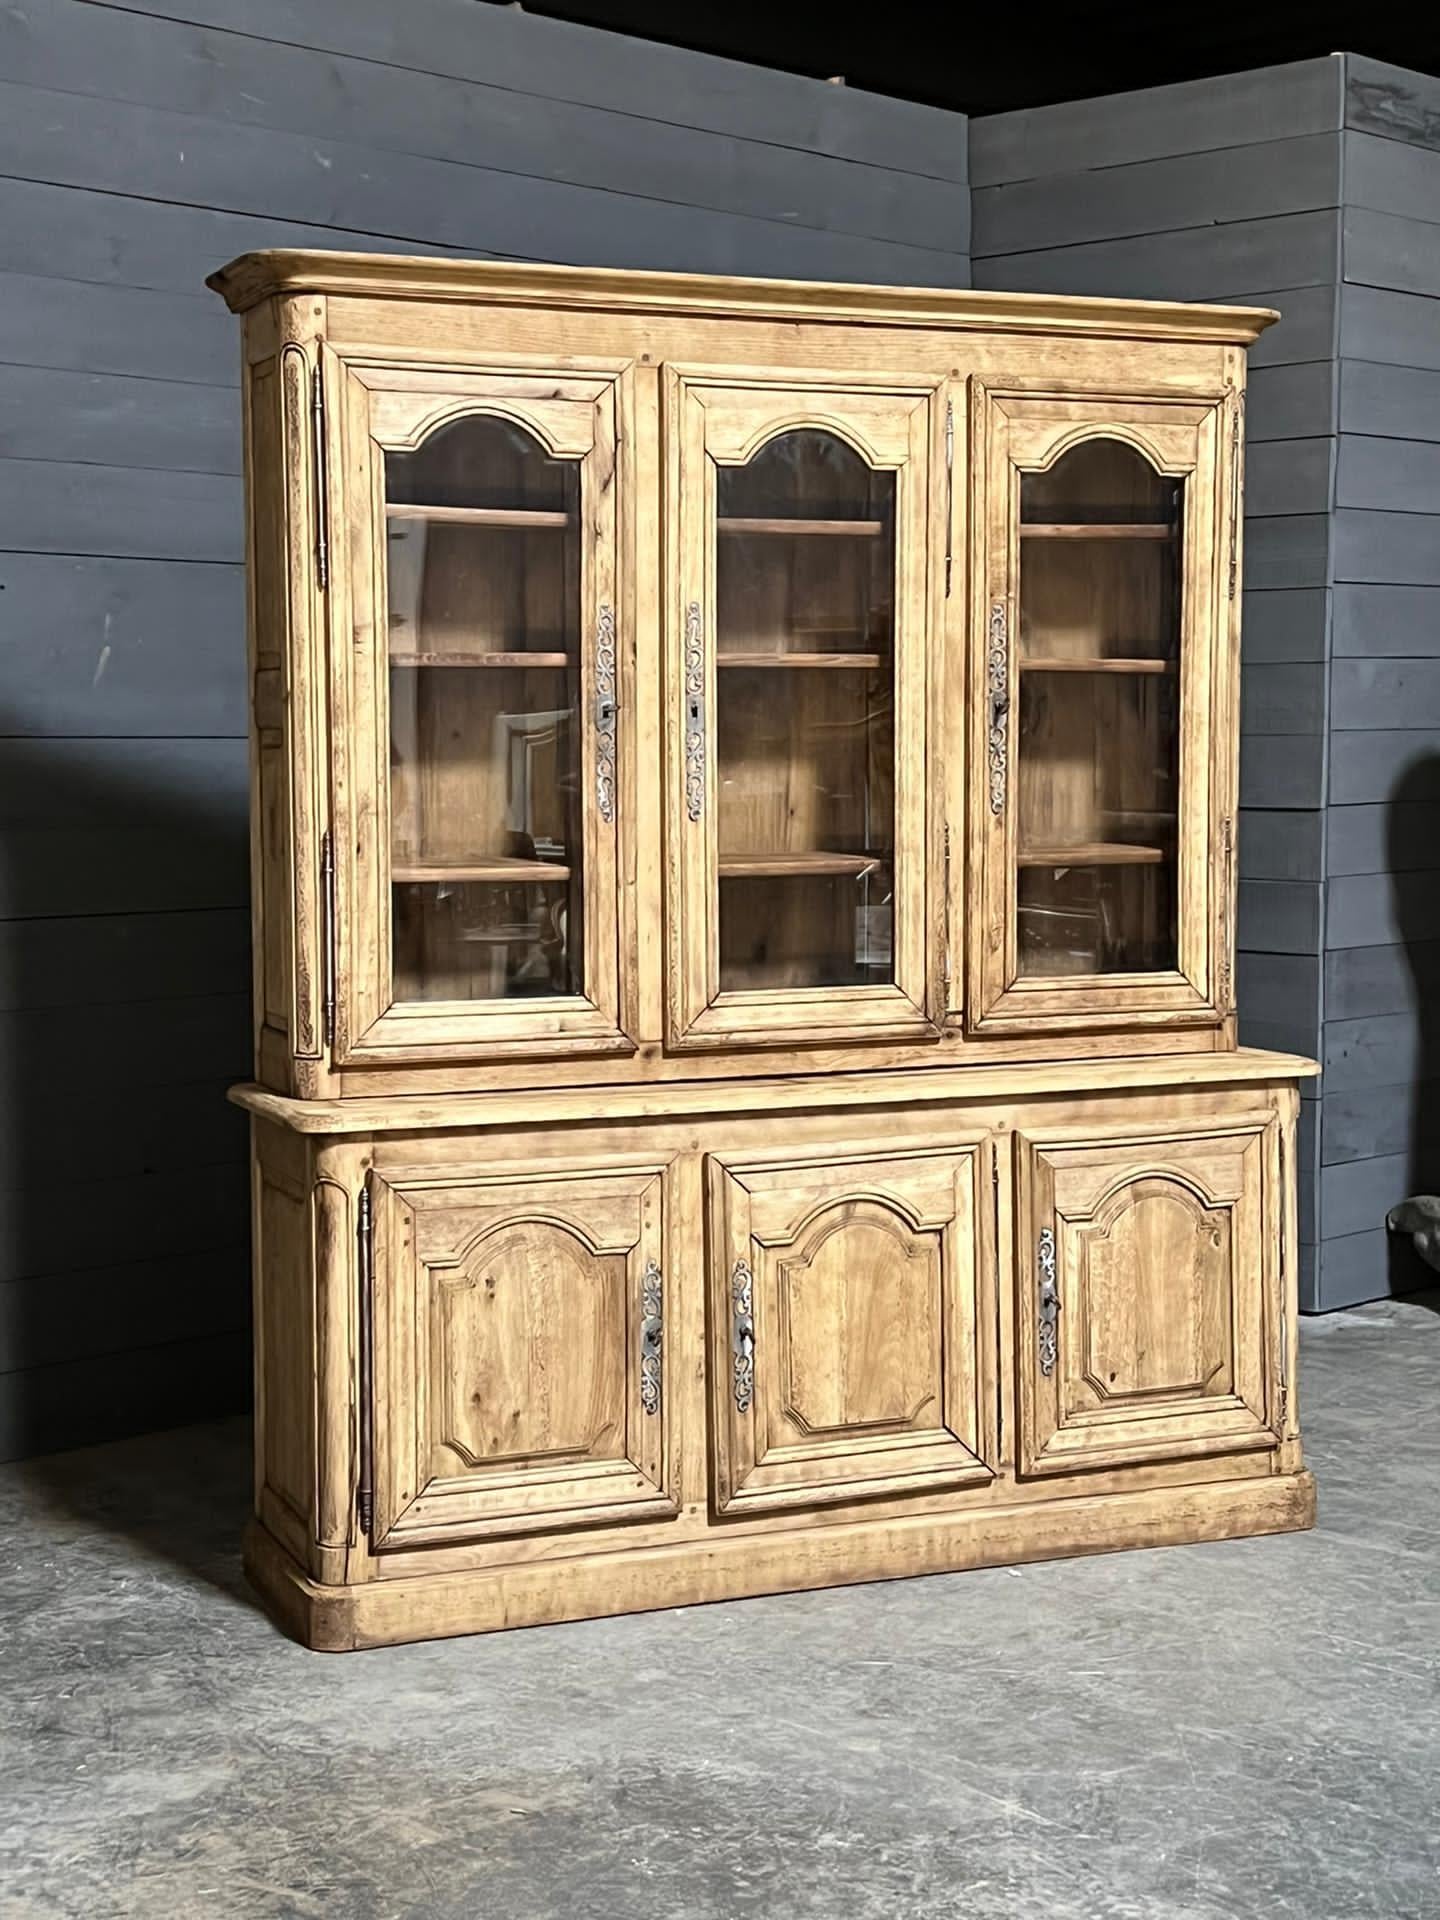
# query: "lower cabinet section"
[[525, 1373], [846, 1302], [1149, 1325], [518, 1374]]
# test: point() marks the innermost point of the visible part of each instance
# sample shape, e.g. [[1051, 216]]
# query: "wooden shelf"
[[524, 660], [480, 516], [1096, 664], [853, 662], [862, 529], [1093, 530], [765, 866], [500, 870], [1096, 853]]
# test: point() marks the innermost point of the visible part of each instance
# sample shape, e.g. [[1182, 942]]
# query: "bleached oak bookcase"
[[747, 1093]]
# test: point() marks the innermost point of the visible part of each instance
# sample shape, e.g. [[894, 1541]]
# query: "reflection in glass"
[[1098, 741], [482, 591], [805, 686]]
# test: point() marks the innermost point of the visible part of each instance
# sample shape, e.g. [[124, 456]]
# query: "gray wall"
[[139, 148], [1310, 187]]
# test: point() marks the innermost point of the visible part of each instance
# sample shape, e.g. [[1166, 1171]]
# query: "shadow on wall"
[[124, 1289], [1412, 858]]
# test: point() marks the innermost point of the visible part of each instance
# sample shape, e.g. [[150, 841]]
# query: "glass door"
[[800, 714], [480, 899], [1099, 598]]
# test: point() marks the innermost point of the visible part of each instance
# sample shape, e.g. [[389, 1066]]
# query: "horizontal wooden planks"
[[109, 1309], [246, 81], [107, 419], [1156, 123], [555, 60], [1281, 843], [1392, 102], [76, 1402], [1381, 979]]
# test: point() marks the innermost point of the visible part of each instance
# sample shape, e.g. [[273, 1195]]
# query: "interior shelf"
[[865, 662], [480, 516], [1096, 664], [757, 866], [480, 660], [1097, 530], [1095, 853], [736, 523], [499, 869]]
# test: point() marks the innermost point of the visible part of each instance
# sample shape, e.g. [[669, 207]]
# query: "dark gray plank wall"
[[141, 146], [1381, 1047], [1226, 189]]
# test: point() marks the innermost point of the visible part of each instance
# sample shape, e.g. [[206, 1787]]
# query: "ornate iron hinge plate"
[[652, 1337], [605, 714], [327, 900], [1049, 1309], [694, 712], [742, 1334], [997, 678]]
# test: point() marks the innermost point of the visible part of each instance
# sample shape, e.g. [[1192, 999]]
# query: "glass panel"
[[805, 691], [483, 586], [1098, 764]]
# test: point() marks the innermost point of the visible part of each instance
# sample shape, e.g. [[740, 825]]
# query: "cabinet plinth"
[[747, 1093]]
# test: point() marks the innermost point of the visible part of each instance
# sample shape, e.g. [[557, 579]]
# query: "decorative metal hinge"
[[945, 953], [605, 714], [694, 713], [997, 675], [320, 491], [1049, 1312], [949, 494], [652, 1337], [1225, 996], [327, 896], [365, 1259], [742, 1334], [1237, 438]]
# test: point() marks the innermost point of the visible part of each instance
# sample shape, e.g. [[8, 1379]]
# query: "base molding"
[[721, 1566]]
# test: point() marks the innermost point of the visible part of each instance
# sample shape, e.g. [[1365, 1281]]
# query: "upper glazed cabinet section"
[[799, 623], [474, 752], [1104, 575]]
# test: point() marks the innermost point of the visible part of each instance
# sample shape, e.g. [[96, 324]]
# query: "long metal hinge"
[[327, 895], [1237, 436], [322, 478], [365, 1261], [1283, 1356], [949, 494], [999, 1284], [946, 974], [1227, 917]]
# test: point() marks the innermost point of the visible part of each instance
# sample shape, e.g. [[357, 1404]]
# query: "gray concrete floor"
[[1203, 1733]]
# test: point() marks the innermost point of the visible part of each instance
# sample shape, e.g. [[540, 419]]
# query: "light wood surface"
[[675, 1177]]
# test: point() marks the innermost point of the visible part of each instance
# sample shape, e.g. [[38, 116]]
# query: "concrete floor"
[[1205, 1733]]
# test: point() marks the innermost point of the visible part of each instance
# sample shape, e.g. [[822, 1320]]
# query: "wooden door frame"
[[1159, 1151], [698, 1015], [574, 413], [618, 1490], [968, 1325], [1191, 445]]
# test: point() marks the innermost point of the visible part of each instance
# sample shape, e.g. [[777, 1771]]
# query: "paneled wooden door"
[[1103, 688], [518, 1376], [799, 616], [478, 668], [850, 1326], [1148, 1323]]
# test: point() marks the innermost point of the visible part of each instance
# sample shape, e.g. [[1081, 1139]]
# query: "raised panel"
[[850, 1335], [1146, 1311], [519, 1375]]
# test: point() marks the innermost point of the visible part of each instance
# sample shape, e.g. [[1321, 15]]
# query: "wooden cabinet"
[[518, 1372], [746, 1088], [847, 1303], [1146, 1321]]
